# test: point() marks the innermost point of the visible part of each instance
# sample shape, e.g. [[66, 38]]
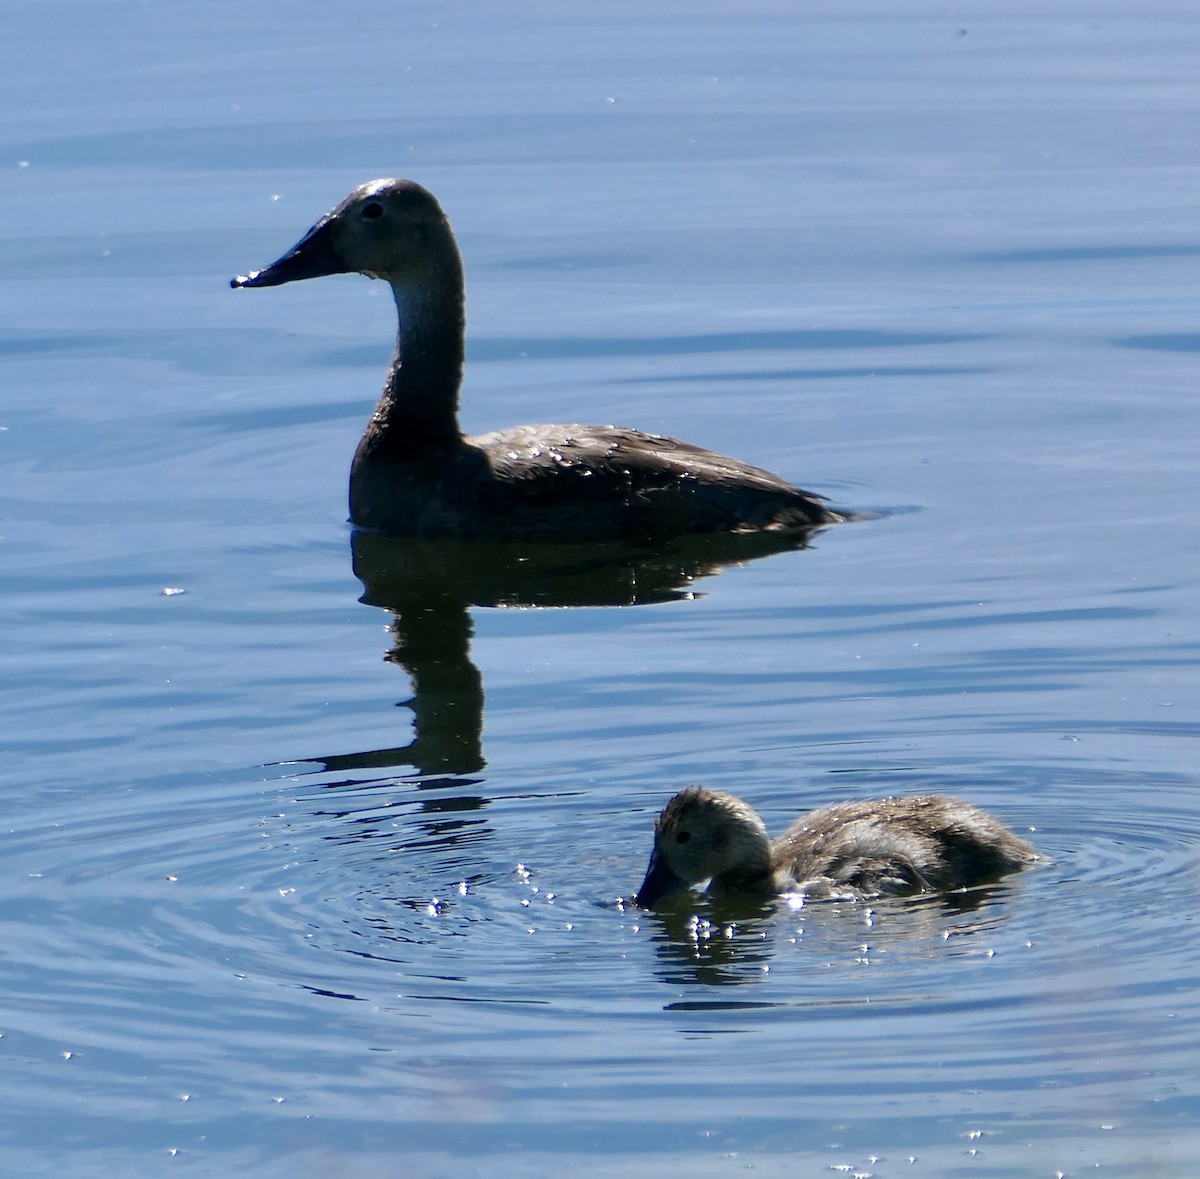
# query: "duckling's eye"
[[372, 210], [683, 836]]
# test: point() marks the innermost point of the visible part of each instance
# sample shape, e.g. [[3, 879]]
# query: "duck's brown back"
[[575, 482]]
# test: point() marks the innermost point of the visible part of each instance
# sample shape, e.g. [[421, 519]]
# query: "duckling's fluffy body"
[[927, 843], [415, 474]]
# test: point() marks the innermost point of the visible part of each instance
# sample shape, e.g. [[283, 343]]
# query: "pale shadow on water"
[[699, 941]]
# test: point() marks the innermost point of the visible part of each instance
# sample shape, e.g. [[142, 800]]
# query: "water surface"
[[295, 881]]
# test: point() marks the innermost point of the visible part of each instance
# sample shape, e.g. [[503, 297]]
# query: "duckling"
[[928, 843], [416, 474]]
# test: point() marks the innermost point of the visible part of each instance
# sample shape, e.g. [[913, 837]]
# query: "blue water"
[[295, 884]]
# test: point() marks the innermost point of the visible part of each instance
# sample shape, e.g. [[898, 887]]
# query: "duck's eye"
[[683, 836], [372, 210]]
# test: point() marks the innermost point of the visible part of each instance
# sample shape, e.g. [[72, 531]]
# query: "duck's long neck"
[[417, 412]]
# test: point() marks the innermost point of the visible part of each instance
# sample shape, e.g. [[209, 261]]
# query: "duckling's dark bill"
[[659, 884], [312, 256]]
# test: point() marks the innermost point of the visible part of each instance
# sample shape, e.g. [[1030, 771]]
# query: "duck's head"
[[389, 229], [705, 835]]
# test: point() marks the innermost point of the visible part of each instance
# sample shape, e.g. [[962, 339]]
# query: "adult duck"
[[927, 843], [416, 474]]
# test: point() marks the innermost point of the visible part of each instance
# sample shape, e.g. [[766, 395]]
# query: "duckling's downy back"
[[927, 843]]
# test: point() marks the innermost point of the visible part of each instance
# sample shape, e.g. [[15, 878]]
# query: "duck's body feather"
[[416, 474], [549, 482]]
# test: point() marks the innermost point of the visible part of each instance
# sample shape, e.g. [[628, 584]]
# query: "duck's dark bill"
[[312, 256], [659, 884]]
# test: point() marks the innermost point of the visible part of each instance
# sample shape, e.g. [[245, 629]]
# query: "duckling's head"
[[706, 835], [389, 229]]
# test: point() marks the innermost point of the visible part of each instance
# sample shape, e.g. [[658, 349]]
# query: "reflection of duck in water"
[[890, 845], [415, 474], [431, 586]]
